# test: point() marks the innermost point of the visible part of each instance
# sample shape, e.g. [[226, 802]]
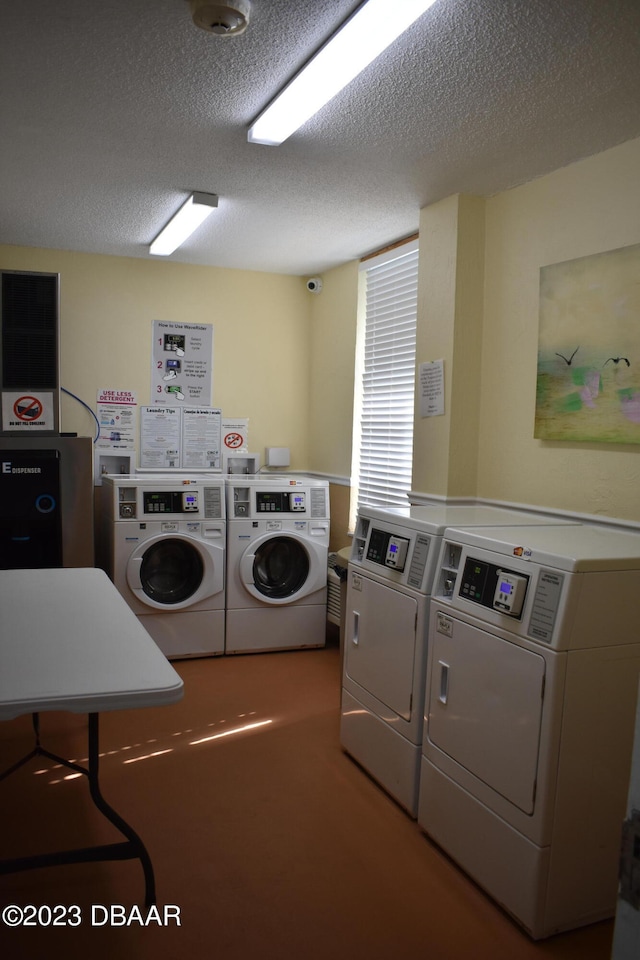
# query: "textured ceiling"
[[112, 112]]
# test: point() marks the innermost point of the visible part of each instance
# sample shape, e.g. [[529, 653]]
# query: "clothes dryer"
[[163, 543], [533, 665], [277, 556], [393, 559]]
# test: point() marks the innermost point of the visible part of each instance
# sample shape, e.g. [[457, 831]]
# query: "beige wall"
[[586, 208], [261, 336], [333, 333], [450, 285], [483, 321]]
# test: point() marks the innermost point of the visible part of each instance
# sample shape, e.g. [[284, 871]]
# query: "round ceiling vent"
[[224, 19]]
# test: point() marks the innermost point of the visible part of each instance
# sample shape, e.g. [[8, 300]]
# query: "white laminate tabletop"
[[69, 641]]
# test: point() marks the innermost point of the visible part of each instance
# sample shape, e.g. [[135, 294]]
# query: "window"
[[385, 379]]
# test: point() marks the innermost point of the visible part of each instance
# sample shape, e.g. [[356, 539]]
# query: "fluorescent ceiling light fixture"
[[191, 214], [372, 28]]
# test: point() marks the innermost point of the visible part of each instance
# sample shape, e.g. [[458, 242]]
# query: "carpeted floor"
[[272, 843]]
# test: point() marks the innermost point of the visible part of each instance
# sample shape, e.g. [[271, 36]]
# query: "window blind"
[[383, 473]]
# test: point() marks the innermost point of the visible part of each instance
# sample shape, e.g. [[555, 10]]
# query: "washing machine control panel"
[[156, 502], [281, 501], [165, 498], [494, 587]]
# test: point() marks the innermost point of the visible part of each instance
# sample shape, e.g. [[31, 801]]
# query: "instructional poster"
[[117, 418], [188, 438], [160, 437], [201, 438], [182, 362]]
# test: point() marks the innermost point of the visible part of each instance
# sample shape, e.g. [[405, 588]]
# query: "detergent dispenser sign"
[[27, 412]]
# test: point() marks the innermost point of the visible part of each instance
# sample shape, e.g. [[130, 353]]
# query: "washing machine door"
[[284, 567], [173, 572]]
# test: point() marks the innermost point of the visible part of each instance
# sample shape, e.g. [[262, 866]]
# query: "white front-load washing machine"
[[532, 677], [163, 544], [390, 577], [277, 556]]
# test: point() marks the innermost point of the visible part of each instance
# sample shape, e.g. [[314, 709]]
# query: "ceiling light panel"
[[372, 28], [191, 214]]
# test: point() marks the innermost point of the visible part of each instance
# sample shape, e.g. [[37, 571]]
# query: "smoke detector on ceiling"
[[224, 19]]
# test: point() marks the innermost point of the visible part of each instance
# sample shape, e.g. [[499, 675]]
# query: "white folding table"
[[69, 641]]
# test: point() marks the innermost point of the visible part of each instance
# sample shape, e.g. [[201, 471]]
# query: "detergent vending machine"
[[46, 502]]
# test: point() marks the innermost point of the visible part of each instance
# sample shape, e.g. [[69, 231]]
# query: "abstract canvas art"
[[588, 384]]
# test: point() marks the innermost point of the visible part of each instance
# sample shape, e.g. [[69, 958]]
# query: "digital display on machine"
[[493, 587], [378, 543], [388, 549], [474, 579], [271, 502], [157, 502], [280, 502], [169, 501]]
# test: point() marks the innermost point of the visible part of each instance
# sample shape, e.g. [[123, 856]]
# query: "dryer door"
[[380, 642], [485, 707], [284, 567], [175, 572]]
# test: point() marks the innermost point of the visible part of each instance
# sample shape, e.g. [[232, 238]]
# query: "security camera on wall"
[[314, 285]]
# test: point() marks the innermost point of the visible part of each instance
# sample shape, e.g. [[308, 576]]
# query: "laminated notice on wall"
[[28, 412], [182, 360], [201, 438], [116, 415], [187, 438], [160, 437], [235, 435], [431, 388]]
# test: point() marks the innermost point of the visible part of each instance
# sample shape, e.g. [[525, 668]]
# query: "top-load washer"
[[163, 543], [532, 677], [277, 555], [390, 576]]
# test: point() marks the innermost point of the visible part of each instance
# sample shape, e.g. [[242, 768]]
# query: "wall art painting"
[[588, 385]]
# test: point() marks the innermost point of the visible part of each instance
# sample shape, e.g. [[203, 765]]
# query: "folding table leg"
[[137, 846], [132, 849]]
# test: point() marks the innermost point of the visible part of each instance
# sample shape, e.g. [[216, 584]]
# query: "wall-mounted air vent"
[[29, 353]]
